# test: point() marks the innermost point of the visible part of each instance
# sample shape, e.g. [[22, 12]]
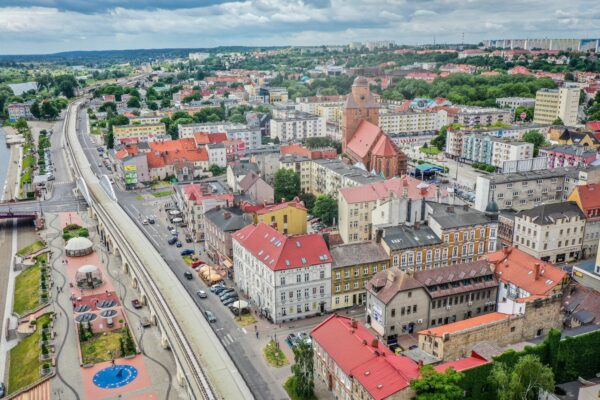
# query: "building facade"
[[300, 126], [588, 200], [142, 133], [551, 104], [288, 218], [220, 224]]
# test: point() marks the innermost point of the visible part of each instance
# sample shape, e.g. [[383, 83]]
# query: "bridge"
[[204, 368]]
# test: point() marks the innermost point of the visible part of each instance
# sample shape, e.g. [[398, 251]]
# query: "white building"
[[503, 151], [410, 121], [285, 277], [298, 127], [514, 102]]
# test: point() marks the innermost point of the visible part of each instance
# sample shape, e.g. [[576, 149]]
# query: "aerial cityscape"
[[300, 200]]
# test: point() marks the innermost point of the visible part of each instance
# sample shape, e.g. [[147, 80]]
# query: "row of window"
[[282, 279], [449, 301], [411, 258], [338, 274], [298, 309], [307, 292]]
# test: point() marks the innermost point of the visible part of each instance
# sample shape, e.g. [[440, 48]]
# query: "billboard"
[[130, 168]]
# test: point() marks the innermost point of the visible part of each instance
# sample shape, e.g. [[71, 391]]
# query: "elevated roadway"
[[203, 366]]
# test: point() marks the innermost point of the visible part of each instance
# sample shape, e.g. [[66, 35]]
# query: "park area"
[[29, 285], [430, 150]]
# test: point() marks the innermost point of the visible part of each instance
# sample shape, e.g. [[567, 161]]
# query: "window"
[[282, 280], [346, 298], [337, 288], [455, 252], [283, 311], [306, 307], [282, 296], [393, 312], [395, 260], [291, 294], [322, 275], [366, 271], [298, 278], [347, 286], [298, 293], [338, 275], [306, 277], [428, 256], [298, 308]]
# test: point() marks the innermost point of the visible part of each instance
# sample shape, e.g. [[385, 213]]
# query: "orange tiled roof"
[[364, 138], [465, 324], [589, 195]]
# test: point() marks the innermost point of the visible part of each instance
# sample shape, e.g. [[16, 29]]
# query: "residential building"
[[145, 120], [413, 139], [470, 116], [328, 176], [587, 198], [256, 188], [568, 156], [198, 56], [356, 205], [301, 165], [180, 158], [312, 154], [545, 44], [236, 171], [285, 277], [551, 232], [459, 339], [400, 302], [299, 126], [363, 140], [551, 104], [505, 151], [311, 104], [195, 200], [353, 266], [139, 133], [506, 228], [514, 102], [17, 111], [266, 159], [521, 190], [523, 277], [570, 136], [250, 135], [132, 166], [354, 365], [220, 224], [271, 95], [411, 121], [288, 217]]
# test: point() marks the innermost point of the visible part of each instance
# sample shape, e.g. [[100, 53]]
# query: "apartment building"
[[353, 266], [299, 126], [550, 232], [413, 139], [220, 224], [551, 104], [17, 111], [514, 102], [301, 165], [400, 302], [288, 217], [411, 121], [250, 135], [587, 198], [328, 176], [139, 133], [568, 156], [504, 151], [356, 205], [145, 120], [286, 277], [478, 116]]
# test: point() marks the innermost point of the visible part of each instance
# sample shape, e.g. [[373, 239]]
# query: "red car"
[[197, 263]]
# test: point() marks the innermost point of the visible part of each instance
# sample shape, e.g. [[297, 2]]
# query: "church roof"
[[384, 147], [364, 138]]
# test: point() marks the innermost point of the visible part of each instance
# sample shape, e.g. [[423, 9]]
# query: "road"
[[240, 343]]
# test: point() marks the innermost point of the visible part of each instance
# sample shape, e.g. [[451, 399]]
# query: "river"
[[4, 160]]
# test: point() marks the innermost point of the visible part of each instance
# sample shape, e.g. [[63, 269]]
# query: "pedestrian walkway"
[[39, 392]]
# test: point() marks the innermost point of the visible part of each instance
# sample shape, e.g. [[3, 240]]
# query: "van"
[[109, 322]]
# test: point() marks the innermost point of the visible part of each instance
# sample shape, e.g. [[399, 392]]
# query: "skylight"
[[303, 260], [298, 244]]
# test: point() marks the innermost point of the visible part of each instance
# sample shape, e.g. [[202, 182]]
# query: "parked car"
[[197, 263], [229, 295], [178, 243], [150, 219], [210, 317], [188, 275], [215, 288], [169, 228], [225, 290], [145, 322], [2, 390], [230, 301], [305, 337], [291, 340], [187, 252], [172, 240], [136, 303], [202, 294], [173, 231], [144, 222], [50, 177], [188, 239]]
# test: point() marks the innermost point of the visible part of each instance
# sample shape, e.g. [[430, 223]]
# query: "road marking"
[[243, 330], [229, 338]]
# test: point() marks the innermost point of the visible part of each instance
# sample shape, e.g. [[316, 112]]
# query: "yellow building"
[[288, 218], [353, 266], [551, 104], [143, 133]]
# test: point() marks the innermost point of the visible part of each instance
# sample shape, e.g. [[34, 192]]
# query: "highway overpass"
[[203, 366]]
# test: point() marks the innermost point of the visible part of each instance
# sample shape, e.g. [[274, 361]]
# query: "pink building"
[[568, 156]]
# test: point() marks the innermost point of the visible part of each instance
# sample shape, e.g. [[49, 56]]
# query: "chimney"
[[378, 235], [227, 215], [354, 323], [374, 343], [326, 240], [537, 271]]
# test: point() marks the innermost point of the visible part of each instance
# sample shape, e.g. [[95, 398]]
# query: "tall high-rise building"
[[551, 104]]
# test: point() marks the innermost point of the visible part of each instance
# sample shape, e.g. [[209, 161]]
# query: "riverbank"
[[11, 168]]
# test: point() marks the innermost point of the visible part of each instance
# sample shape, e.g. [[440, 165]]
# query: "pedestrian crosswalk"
[[228, 340], [62, 182]]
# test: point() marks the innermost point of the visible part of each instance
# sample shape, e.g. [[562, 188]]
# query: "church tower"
[[360, 104]]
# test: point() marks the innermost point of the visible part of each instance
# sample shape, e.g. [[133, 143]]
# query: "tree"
[[286, 184], [153, 105], [108, 106], [35, 109], [558, 122], [433, 385], [303, 370], [536, 138], [524, 381], [165, 103], [216, 170], [326, 208], [133, 102], [528, 113], [48, 110], [440, 140], [309, 200]]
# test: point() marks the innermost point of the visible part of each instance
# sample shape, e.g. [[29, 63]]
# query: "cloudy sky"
[[47, 26]]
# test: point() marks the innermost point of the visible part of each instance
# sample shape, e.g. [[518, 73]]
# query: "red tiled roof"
[[589, 196], [127, 151], [172, 151], [475, 360], [280, 252], [279, 206], [379, 371], [364, 138], [198, 193], [465, 324], [380, 190], [517, 267], [593, 125], [384, 147], [206, 138]]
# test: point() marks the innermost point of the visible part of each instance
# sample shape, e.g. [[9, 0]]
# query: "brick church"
[[363, 141]]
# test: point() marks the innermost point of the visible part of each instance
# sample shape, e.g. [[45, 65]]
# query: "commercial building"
[[299, 126], [494, 151], [550, 232], [568, 156], [288, 218], [401, 302], [551, 104], [353, 266], [514, 102], [285, 277], [587, 198], [356, 205], [524, 277], [220, 224], [140, 133]]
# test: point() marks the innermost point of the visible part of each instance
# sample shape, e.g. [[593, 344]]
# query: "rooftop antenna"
[[462, 41]]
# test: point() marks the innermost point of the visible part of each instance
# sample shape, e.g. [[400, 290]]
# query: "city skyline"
[[49, 26]]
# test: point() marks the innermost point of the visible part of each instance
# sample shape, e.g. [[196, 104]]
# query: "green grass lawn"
[[97, 349], [161, 185], [289, 387], [431, 150], [245, 319], [274, 355], [24, 367], [32, 248], [187, 260], [27, 288], [28, 161], [163, 193]]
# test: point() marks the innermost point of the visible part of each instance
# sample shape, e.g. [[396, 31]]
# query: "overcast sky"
[[48, 26]]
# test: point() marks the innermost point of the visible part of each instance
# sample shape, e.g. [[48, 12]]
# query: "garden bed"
[[32, 248], [274, 355], [73, 230], [105, 346]]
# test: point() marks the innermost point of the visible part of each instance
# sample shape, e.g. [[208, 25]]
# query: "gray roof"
[[547, 214], [356, 174], [243, 167], [228, 219], [582, 151], [455, 216], [417, 355], [357, 253], [528, 175], [584, 317], [406, 237]]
